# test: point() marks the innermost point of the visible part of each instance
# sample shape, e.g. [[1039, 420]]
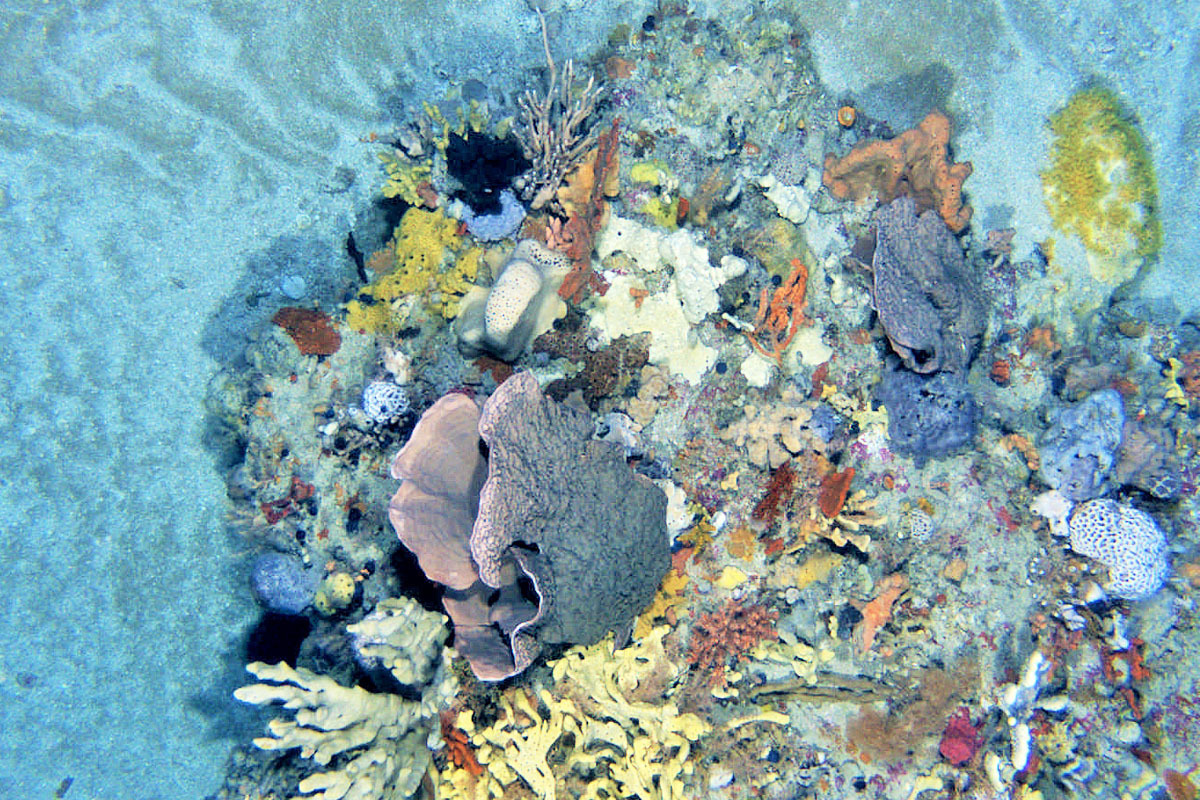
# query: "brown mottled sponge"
[[604, 371]]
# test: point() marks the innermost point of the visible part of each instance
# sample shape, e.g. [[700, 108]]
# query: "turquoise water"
[[164, 167]]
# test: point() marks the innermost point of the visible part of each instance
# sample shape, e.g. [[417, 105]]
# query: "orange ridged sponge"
[[915, 163]]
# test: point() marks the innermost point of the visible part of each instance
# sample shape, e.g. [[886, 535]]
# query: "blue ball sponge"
[[929, 416]]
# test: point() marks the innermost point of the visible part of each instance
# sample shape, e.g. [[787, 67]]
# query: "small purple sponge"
[[283, 584]]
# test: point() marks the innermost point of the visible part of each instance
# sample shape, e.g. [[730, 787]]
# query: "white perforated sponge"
[[531, 277], [1126, 540]]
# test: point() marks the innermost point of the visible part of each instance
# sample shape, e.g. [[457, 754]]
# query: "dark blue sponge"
[[929, 416]]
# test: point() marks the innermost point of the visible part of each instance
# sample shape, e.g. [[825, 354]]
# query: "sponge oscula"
[[512, 293], [522, 302]]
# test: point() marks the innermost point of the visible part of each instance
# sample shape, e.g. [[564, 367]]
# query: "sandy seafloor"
[[163, 167]]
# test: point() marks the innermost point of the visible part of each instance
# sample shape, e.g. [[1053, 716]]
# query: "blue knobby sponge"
[[501, 224], [283, 583], [1078, 449], [929, 416]]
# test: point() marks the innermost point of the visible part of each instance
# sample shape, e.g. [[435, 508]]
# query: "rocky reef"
[[748, 461]]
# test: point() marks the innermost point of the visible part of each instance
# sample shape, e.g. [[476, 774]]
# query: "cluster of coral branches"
[[583, 202], [780, 314], [553, 132], [573, 169], [723, 636]]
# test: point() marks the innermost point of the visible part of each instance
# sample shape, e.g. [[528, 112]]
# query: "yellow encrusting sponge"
[[1100, 184]]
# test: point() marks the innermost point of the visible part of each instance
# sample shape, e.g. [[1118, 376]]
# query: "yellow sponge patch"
[[405, 177], [1101, 185], [420, 243], [335, 593], [455, 282]]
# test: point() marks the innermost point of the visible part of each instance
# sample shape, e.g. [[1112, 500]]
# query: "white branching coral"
[[380, 744]]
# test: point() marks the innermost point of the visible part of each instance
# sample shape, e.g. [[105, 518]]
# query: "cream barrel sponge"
[[521, 303]]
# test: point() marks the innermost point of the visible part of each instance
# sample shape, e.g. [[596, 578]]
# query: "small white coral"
[[697, 280], [791, 201], [620, 430], [1054, 507], [1020, 701], [1126, 540], [679, 515], [398, 364]]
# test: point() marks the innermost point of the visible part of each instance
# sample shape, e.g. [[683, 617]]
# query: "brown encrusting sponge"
[[310, 329]]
